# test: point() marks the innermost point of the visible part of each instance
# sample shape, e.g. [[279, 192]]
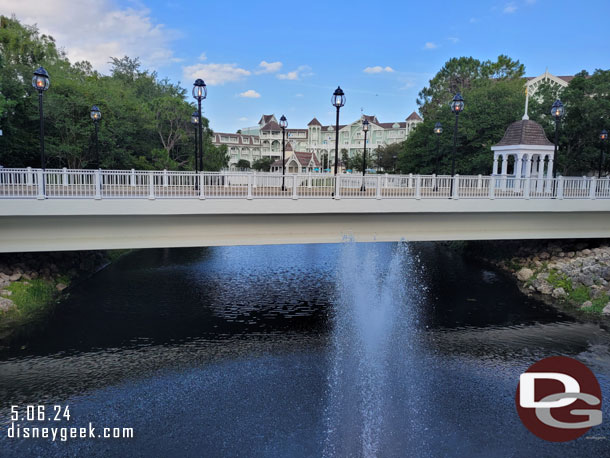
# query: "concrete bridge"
[[62, 209]]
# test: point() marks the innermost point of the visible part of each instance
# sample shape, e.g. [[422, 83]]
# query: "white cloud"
[[453, 39], [301, 72], [243, 119], [250, 94], [268, 67], [430, 45], [473, 20], [95, 30], [215, 74], [510, 8], [203, 57], [378, 69], [299, 95]]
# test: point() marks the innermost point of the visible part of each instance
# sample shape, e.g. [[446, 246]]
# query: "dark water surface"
[[288, 351]]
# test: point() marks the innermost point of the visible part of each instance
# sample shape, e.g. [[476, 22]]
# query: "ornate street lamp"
[[200, 92], [96, 115], [195, 123], [457, 106], [338, 100], [557, 111], [41, 83], [438, 130], [283, 125], [365, 129], [603, 136]]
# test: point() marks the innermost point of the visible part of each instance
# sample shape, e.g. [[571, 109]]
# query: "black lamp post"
[[195, 123], [365, 129], [557, 112], [96, 115], [438, 130], [200, 92], [283, 125], [41, 82], [603, 136], [457, 106], [338, 100]]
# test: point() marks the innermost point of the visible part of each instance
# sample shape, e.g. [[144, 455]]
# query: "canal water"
[[385, 350]]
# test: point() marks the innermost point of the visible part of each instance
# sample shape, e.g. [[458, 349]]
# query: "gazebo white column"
[[540, 173], [518, 166], [494, 169], [549, 175], [528, 167], [504, 169]]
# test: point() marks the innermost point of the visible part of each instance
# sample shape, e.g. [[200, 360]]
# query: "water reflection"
[[298, 351]]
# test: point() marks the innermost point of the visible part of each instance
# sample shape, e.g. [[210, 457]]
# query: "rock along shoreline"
[[571, 273], [32, 283]]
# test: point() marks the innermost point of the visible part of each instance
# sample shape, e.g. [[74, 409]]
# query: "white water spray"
[[373, 313]]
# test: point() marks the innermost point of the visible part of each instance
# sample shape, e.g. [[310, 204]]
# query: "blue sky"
[[288, 57]]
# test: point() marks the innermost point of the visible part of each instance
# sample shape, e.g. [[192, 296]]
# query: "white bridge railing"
[[137, 184]]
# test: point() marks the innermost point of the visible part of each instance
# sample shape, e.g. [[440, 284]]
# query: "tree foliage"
[[145, 120], [263, 164], [494, 97], [587, 113]]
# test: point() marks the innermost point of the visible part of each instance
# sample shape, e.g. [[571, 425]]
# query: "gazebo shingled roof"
[[524, 132]]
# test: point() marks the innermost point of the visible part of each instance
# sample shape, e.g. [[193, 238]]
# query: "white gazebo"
[[533, 154]]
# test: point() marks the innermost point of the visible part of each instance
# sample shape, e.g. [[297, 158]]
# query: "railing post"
[[249, 187], [29, 177], [98, 185], [165, 178], [201, 186], [151, 186], [410, 181], [526, 189], [41, 194], [456, 185], [560, 187], [309, 179], [592, 188], [337, 187], [480, 182], [378, 193], [294, 187], [132, 178], [385, 180], [64, 177], [418, 187], [254, 184], [492, 187], [225, 179]]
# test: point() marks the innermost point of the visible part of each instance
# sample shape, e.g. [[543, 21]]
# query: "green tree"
[[459, 75], [385, 156], [263, 164], [587, 112], [145, 120], [494, 97], [243, 164]]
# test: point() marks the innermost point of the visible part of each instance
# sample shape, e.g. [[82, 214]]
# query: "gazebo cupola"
[[533, 153]]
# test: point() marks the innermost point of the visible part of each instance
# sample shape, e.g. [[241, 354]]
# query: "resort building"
[[265, 139], [533, 83], [297, 162]]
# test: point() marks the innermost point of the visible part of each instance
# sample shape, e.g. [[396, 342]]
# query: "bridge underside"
[[88, 232]]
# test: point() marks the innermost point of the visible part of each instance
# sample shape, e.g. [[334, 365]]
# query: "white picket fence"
[[143, 184]]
